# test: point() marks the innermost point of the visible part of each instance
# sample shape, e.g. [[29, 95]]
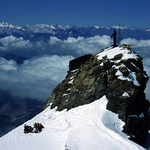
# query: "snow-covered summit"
[[7, 25], [88, 127], [122, 50], [121, 27], [112, 72], [124, 54]]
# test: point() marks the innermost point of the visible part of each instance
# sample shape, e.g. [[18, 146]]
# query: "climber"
[[38, 127], [114, 38], [35, 128], [25, 128], [28, 129]]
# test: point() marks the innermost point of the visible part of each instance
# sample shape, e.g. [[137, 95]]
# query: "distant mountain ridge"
[[35, 32]]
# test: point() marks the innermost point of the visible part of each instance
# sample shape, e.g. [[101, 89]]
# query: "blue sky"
[[134, 13]]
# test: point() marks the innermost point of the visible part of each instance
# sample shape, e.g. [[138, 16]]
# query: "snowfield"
[[88, 127]]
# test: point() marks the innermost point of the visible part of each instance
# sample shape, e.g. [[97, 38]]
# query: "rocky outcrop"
[[117, 73]]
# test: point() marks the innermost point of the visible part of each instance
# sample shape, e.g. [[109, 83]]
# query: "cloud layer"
[[44, 72], [74, 46], [11, 43], [71, 46], [35, 78]]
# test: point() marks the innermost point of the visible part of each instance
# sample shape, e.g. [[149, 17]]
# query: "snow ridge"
[[87, 127]]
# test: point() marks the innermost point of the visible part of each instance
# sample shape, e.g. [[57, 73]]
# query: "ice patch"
[[133, 78], [71, 82], [68, 89], [125, 94], [118, 73], [102, 64], [137, 116], [65, 94]]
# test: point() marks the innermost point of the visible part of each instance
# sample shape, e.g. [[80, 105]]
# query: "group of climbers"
[[36, 129]]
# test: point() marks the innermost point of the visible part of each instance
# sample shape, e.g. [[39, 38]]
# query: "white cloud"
[[81, 45], [7, 65], [11, 43], [46, 71], [71, 46], [73, 40], [54, 40], [8, 39], [21, 44], [35, 78], [136, 43], [42, 28]]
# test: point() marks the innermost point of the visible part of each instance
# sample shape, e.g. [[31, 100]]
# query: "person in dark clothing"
[[25, 128], [40, 126], [114, 35], [36, 129], [28, 129]]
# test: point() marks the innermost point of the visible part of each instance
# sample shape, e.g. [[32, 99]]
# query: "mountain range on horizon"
[[63, 32], [33, 40]]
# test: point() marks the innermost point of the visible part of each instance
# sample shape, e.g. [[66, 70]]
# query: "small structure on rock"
[[76, 63]]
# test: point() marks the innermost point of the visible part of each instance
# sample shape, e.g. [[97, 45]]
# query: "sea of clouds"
[[35, 78], [70, 46], [49, 60]]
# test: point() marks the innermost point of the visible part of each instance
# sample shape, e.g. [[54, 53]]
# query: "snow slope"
[[88, 127]]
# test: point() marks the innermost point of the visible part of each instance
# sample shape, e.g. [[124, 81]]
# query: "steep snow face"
[[88, 127]]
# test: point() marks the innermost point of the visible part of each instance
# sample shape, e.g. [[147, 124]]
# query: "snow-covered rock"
[[112, 72], [7, 25]]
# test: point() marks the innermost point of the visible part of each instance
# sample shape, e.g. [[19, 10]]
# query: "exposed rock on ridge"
[[117, 73]]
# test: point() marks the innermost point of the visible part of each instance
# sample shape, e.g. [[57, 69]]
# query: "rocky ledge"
[[118, 73]]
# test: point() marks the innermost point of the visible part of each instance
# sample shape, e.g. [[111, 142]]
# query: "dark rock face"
[[117, 73], [76, 63]]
